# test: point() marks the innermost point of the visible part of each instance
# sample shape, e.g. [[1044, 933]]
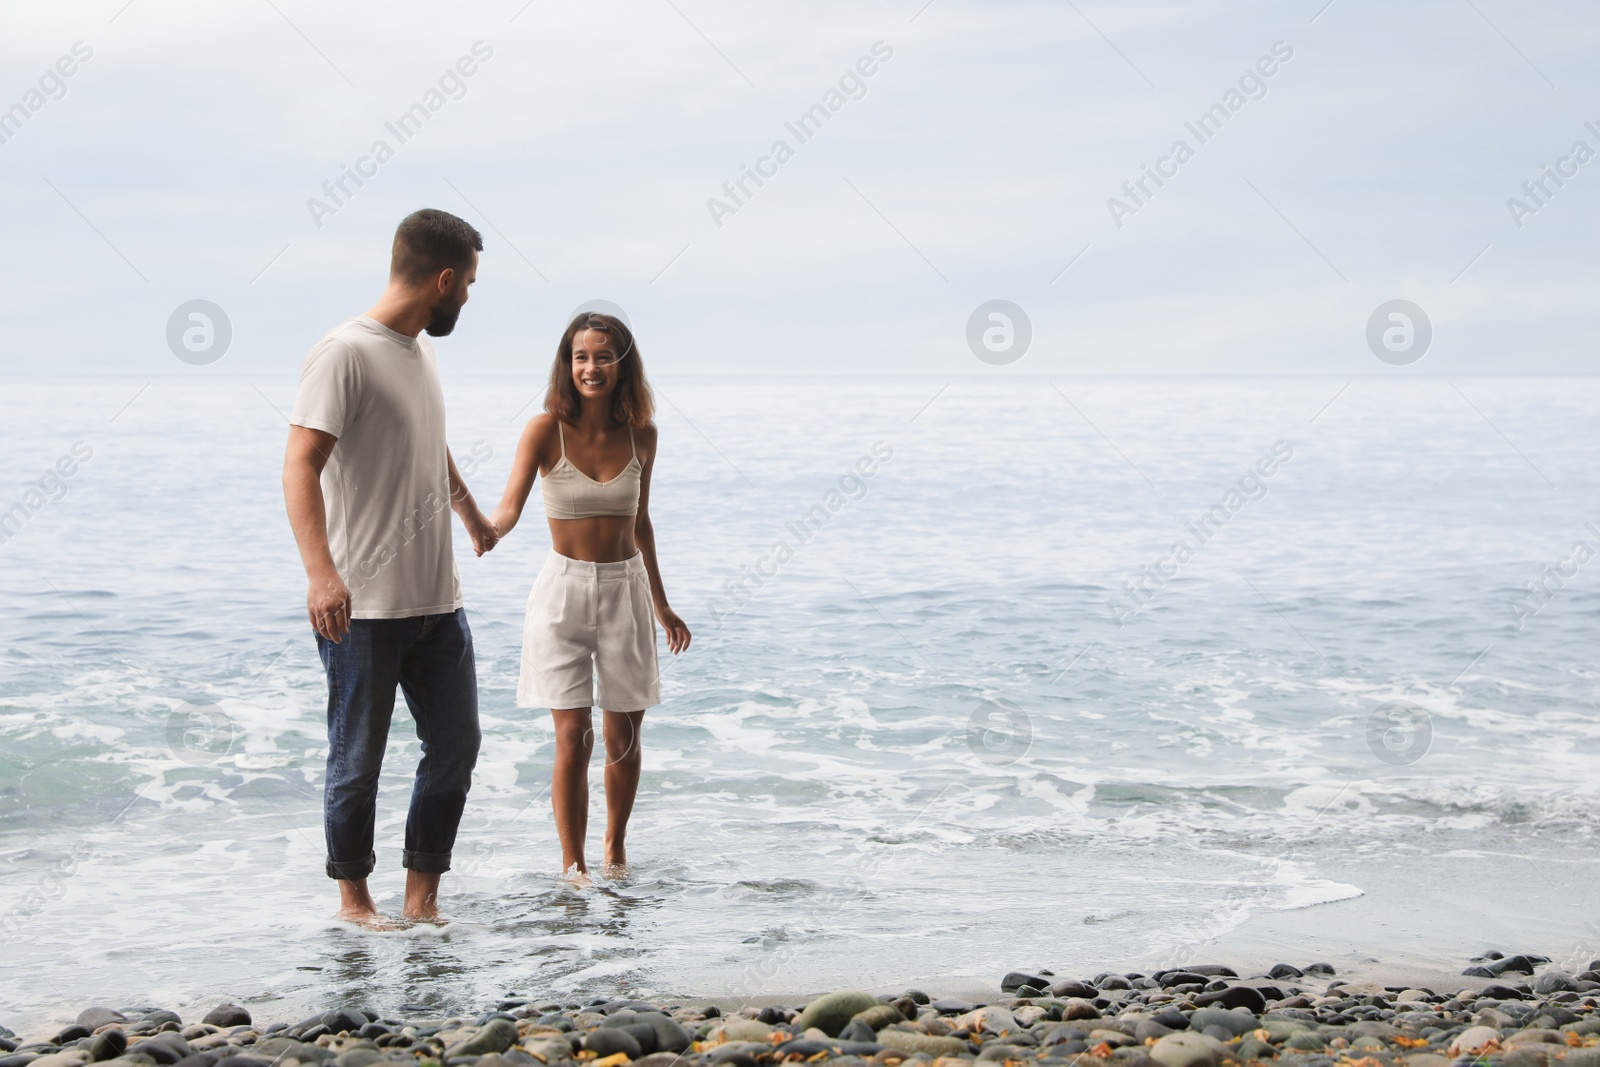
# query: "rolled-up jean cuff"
[[425, 862], [352, 870]]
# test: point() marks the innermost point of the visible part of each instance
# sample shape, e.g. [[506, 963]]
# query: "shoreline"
[[1519, 1010]]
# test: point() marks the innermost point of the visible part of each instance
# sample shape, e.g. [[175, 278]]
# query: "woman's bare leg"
[[569, 783], [623, 762]]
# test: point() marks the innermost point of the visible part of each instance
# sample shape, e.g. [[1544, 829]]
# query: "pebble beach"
[[1515, 1010]]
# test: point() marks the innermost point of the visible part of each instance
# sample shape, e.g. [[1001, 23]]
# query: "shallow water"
[[921, 750]]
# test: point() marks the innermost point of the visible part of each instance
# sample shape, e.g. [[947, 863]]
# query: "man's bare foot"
[[422, 897], [375, 921], [359, 916], [356, 906], [614, 871], [578, 876]]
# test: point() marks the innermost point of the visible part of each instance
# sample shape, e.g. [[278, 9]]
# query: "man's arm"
[[479, 528], [327, 597]]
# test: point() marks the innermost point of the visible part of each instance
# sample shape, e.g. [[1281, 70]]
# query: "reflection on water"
[[552, 931]]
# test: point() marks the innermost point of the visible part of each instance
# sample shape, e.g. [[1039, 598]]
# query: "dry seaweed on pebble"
[[1194, 1016]]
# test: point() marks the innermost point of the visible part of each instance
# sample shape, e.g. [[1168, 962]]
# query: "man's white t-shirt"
[[386, 487]]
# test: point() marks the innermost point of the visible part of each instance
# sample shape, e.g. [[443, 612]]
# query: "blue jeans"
[[430, 658]]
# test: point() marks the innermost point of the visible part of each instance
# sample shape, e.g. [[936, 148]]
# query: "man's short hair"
[[429, 241]]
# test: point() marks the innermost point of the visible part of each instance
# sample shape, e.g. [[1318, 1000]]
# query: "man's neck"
[[402, 310]]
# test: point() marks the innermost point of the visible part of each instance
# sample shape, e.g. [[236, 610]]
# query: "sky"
[[984, 157]]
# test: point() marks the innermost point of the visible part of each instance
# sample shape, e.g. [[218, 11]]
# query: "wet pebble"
[[1200, 1015], [226, 1015], [95, 1017], [608, 1041], [108, 1045]]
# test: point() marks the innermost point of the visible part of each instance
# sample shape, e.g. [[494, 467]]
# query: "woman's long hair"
[[632, 403]]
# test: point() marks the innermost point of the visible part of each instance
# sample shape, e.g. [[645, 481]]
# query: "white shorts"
[[588, 620]]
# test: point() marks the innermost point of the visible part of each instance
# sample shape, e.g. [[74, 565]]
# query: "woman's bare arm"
[[644, 535], [524, 469]]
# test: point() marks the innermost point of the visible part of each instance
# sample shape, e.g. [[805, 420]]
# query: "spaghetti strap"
[[569, 493]]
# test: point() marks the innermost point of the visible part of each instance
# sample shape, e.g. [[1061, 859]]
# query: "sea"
[[1083, 673]]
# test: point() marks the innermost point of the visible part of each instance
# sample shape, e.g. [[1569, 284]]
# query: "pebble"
[[1539, 1036], [1239, 996], [96, 1017], [1528, 1014], [858, 1032], [1079, 1008], [1427, 1059], [108, 1045], [1071, 988], [1186, 1049], [343, 1020], [1474, 1039], [1017, 979], [358, 1057], [1148, 1029], [1235, 1022], [832, 1012], [670, 1034], [548, 1050], [226, 1015], [738, 1054], [745, 1030], [1554, 981], [608, 1041], [1499, 991], [165, 1048], [995, 1019], [879, 1015], [1114, 1038], [927, 1044], [66, 1058], [655, 1059], [497, 1035]]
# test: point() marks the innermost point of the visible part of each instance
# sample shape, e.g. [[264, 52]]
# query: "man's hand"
[[327, 597], [328, 604], [485, 535]]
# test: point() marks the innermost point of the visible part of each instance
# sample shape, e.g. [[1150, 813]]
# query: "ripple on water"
[[811, 783]]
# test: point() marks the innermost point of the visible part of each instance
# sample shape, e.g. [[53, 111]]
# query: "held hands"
[[677, 630], [485, 534], [328, 605]]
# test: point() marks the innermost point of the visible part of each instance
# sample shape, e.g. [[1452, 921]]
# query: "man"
[[367, 478]]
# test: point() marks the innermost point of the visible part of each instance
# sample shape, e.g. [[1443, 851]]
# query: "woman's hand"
[[502, 519], [485, 535], [677, 630]]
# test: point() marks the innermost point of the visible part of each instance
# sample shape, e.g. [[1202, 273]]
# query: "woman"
[[590, 613]]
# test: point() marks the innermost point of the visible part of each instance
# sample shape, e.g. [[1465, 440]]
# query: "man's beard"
[[444, 319]]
